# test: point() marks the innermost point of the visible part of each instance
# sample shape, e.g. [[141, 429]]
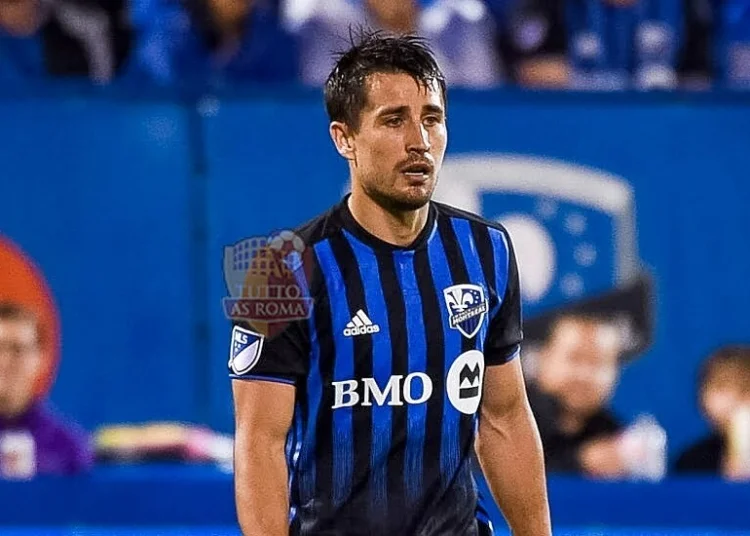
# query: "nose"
[[418, 139]]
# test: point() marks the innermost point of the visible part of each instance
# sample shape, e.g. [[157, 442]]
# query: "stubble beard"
[[398, 201]]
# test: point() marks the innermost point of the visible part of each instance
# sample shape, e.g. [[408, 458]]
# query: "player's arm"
[[264, 372], [263, 416], [510, 451], [508, 444]]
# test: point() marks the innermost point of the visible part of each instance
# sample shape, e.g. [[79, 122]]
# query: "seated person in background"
[[219, 42], [74, 39], [638, 44], [729, 30], [532, 41], [573, 383], [34, 440], [575, 380], [725, 402], [460, 32]]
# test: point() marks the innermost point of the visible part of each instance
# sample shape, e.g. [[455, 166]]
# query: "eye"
[[394, 121], [431, 120]]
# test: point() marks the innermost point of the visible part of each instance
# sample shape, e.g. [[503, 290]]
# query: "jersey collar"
[[351, 225]]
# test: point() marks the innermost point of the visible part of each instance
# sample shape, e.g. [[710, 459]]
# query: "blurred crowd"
[[572, 377], [574, 44], [36, 439], [573, 369], [571, 392]]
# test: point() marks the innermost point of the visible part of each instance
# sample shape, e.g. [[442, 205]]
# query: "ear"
[[342, 137]]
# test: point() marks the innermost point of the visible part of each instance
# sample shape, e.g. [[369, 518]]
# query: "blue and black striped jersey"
[[388, 367]]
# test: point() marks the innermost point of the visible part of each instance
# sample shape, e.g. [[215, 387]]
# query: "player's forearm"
[[261, 488], [510, 452]]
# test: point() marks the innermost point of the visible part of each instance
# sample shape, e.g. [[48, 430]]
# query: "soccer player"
[[362, 418]]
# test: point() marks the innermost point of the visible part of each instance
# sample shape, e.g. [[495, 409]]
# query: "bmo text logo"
[[416, 388], [463, 385]]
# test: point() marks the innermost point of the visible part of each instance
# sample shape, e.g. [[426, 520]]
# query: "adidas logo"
[[360, 324]]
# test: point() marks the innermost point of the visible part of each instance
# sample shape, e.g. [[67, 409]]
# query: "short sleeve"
[[282, 356], [271, 308], [505, 331]]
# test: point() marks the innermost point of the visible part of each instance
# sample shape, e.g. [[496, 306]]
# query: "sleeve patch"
[[245, 350]]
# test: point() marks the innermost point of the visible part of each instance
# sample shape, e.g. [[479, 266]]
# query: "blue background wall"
[[127, 203]]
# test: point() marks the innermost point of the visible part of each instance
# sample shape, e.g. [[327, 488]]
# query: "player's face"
[[19, 363], [399, 147]]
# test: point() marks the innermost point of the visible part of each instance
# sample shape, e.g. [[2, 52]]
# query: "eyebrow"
[[399, 110], [393, 110], [434, 108]]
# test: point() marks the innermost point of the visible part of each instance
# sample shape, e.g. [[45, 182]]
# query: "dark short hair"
[[14, 312], [376, 52], [737, 354]]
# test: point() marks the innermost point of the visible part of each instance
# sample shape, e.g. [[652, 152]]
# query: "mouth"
[[417, 170]]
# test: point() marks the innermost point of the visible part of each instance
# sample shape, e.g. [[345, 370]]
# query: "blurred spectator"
[[44, 39], [730, 33], [33, 438], [724, 395], [638, 44], [695, 65], [575, 380], [573, 384], [461, 33], [532, 42], [211, 41]]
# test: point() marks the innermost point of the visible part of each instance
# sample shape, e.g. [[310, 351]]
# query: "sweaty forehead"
[[399, 89]]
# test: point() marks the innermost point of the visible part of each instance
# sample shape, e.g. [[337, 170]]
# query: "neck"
[[399, 228]]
